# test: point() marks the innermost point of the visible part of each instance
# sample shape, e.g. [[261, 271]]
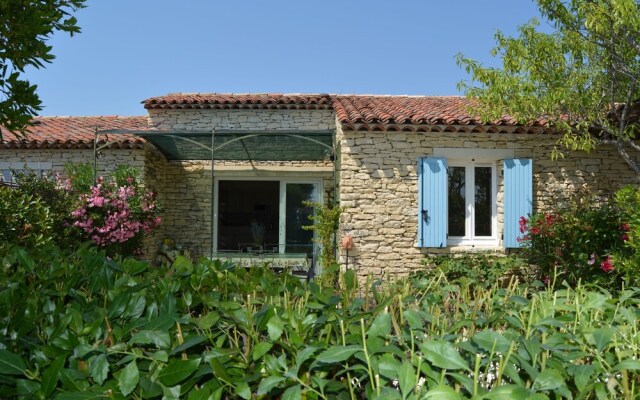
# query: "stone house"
[[414, 175]]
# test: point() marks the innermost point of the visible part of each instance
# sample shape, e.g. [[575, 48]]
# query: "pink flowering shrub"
[[581, 241], [116, 213]]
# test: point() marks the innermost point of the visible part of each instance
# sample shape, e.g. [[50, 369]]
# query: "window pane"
[[299, 240], [248, 214], [483, 206], [457, 207]]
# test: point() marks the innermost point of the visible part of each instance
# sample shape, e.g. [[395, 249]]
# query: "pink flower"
[[549, 219], [607, 264], [110, 214], [592, 259], [523, 225], [624, 237]]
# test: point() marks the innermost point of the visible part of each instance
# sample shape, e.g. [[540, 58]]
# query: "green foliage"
[[126, 175], [34, 213], [40, 211], [627, 200], [575, 241], [583, 78], [326, 221], [25, 28], [80, 176], [80, 325], [480, 270], [25, 219], [57, 200]]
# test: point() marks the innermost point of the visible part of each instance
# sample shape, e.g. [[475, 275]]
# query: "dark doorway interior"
[[248, 214]]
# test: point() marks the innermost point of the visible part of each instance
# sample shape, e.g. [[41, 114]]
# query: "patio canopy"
[[241, 145]]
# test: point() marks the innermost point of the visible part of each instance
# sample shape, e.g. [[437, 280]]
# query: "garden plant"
[[114, 213], [94, 327], [585, 239], [84, 322]]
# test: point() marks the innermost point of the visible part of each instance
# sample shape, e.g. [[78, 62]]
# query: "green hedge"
[[82, 326]]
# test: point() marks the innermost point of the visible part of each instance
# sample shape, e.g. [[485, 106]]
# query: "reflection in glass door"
[[298, 240]]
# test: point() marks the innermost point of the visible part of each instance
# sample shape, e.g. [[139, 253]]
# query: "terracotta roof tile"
[[353, 111], [425, 110], [350, 109], [222, 101], [75, 132]]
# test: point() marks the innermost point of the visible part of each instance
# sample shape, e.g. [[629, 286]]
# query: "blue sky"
[[130, 50]]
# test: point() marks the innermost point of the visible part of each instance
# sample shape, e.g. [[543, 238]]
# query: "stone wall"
[[205, 120], [108, 160], [379, 187]]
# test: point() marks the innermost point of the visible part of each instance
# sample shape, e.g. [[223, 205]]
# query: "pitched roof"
[[359, 112], [354, 112], [75, 133]]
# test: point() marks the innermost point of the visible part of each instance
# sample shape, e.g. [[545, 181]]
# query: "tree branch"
[[625, 111], [625, 156], [634, 145], [633, 42]]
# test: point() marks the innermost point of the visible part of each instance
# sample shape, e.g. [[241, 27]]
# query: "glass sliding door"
[[265, 215], [297, 239]]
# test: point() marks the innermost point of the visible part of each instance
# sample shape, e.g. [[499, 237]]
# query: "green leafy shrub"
[[575, 242], [79, 325], [79, 177], [481, 270], [26, 219], [60, 202], [35, 212], [627, 200]]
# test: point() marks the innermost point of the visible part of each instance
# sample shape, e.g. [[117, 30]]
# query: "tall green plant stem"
[[346, 364], [366, 356]]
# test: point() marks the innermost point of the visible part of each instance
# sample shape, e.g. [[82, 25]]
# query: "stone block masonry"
[[207, 120], [108, 160], [379, 188]]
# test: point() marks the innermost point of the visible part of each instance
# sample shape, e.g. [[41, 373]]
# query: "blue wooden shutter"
[[432, 201], [518, 197]]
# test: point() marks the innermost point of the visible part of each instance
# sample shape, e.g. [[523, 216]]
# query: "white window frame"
[[281, 203], [461, 155], [470, 239]]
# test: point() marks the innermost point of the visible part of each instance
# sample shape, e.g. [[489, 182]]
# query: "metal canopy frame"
[[196, 145]]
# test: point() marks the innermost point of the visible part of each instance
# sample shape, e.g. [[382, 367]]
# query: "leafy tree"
[[25, 27], [583, 77]]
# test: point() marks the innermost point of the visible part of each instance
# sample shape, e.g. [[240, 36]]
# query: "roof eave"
[[449, 128]]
